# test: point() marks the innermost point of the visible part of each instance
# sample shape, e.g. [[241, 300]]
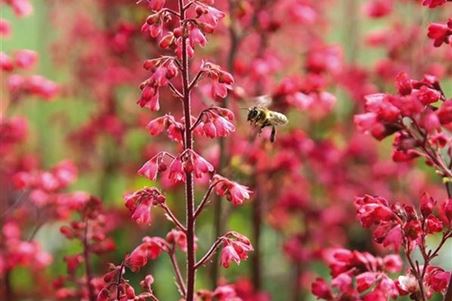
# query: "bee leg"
[[273, 134]]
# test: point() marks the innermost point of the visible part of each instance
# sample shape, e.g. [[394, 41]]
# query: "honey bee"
[[262, 117]]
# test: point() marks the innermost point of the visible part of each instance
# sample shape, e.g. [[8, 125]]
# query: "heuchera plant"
[[180, 31], [418, 116]]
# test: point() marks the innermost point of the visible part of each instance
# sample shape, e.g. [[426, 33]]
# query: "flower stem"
[[189, 185], [86, 255]]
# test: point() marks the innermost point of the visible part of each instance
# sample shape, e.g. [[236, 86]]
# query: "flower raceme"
[[180, 31]]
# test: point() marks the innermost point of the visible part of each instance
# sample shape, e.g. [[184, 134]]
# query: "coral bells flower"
[[228, 254], [25, 58], [215, 122], [234, 192], [373, 210], [150, 249], [176, 172], [189, 161], [149, 98], [140, 202], [220, 80], [407, 284], [321, 290], [178, 238], [440, 33], [433, 3], [437, 279], [192, 162], [235, 248], [369, 273], [151, 168]]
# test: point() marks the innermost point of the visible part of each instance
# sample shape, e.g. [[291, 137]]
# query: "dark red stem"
[[86, 256], [189, 185]]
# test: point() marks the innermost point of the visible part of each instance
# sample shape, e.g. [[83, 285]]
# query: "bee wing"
[[263, 100]]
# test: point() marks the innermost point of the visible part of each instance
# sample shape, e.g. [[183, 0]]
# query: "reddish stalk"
[[86, 256], [189, 184]]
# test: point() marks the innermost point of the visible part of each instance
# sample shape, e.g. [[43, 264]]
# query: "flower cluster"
[[398, 225], [235, 248], [181, 31], [358, 276], [418, 115], [91, 230]]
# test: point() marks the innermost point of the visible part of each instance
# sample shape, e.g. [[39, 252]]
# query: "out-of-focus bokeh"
[[82, 134]]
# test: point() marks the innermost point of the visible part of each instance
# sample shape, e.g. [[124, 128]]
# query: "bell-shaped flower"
[[149, 249], [176, 171], [234, 192], [140, 202]]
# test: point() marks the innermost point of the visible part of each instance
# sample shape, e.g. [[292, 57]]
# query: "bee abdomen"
[[278, 118]]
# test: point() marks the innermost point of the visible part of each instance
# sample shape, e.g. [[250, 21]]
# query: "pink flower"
[[178, 238], [321, 290], [158, 77], [433, 3], [372, 210], [157, 125], [208, 14], [393, 237], [234, 192], [219, 90], [392, 263], [176, 171], [440, 33], [200, 165], [365, 281], [149, 98], [175, 131], [226, 293], [228, 255], [72, 262], [437, 279], [223, 127], [379, 8], [167, 40], [6, 63], [25, 58], [5, 28], [433, 224], [140, 202], [149, 169], [408, 284], [22, 8], [197, 37], [150, 249], [65, 172]]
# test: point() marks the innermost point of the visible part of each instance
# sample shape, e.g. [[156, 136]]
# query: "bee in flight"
[[261, 116]]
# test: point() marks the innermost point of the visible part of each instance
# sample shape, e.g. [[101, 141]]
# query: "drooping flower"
[[140, 202], [149, 249], [234, 192]]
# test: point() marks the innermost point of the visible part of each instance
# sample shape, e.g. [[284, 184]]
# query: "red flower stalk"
[[182, 36]]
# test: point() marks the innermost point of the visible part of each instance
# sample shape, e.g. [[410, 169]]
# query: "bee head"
[[252, 113]]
